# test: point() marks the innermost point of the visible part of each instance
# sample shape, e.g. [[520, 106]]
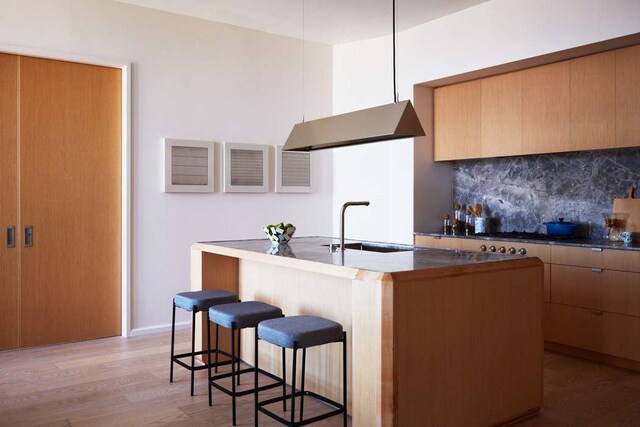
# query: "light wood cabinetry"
[[595, 304], [63, 182], [458, 121], [546, 109], [593, 102], [587, 103], [600, 332], [9, 290], [628, 97], [607, 290], [596, 258], [502, 115]]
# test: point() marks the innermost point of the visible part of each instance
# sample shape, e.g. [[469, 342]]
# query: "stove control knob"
[[483, 248], [502, 249], [512, 251], [492, 248], [522, 251]]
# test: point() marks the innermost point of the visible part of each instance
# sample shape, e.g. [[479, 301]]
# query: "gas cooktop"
[[524, 235]]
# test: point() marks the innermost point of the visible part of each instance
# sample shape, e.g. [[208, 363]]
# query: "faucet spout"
[[342, 211]]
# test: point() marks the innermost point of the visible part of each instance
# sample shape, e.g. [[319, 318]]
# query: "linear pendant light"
[[383, 123]]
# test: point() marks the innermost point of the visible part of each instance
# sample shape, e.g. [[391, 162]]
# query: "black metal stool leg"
[[209, 358], [233, 374], [217, 348], [193, 347], [173, 338], [284, 379], [304, 362], [293, 386], [239, 353], [344, 376], [255, 381]]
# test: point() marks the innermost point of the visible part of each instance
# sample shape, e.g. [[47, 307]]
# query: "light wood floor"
[[118, 382]]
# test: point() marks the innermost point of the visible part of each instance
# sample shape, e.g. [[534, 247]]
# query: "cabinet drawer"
[[603, 332], [598, 258], [608, 290], [437, 242]]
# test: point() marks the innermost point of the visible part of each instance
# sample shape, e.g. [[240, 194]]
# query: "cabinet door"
[[70, 127], [593, 330], [628, 97], [593, 102], [9, 297], [607, 290], [502, 115], [546, 109], [457, 117]]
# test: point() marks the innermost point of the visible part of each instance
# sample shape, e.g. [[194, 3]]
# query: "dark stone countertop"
[[311, 249], [578, 242]]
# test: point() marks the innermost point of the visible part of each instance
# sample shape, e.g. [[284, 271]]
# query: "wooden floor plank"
[[125, 382]]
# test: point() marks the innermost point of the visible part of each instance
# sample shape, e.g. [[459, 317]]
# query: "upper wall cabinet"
[[628, 97], [593, 102], [458, 121], [587, 103], [546, 109], [502, 115]]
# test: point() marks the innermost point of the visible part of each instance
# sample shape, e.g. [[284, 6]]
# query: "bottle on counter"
[[468, 221], [455, 226], [446, 229]]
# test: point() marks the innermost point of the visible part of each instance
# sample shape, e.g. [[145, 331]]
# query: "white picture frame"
[[246, 168], [288, 181], [188, 166]]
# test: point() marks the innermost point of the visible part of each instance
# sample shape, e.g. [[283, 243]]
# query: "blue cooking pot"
[[560, 228]]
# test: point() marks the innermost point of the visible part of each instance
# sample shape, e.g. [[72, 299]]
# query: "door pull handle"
[[11, 236], [28, 236]]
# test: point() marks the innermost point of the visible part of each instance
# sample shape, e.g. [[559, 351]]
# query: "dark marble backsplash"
[[523, 192]]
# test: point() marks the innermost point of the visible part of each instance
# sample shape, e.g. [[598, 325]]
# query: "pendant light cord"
[[395, 91]]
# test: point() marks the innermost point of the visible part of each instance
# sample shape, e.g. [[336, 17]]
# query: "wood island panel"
[[437, 321]]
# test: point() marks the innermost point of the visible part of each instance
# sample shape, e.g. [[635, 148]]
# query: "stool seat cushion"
[[243, 314], [301, 331], [203, 300]]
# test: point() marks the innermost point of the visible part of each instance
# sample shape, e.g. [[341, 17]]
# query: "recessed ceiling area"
[[325, 21]]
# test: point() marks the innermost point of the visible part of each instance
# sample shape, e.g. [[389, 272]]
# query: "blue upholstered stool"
[[302, 332], [194, 302], [236, 317]]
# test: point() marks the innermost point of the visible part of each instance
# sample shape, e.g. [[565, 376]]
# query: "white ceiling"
[[326, 21]]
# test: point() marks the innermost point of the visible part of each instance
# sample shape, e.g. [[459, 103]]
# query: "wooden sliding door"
[[9, 285], [70, 196]]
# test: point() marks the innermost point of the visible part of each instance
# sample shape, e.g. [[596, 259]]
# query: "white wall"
[[489, 34], [191, 79]]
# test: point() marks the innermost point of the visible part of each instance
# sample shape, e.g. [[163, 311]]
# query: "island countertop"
[[313, 253]]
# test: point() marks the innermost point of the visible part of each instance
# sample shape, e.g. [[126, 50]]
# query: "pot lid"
[[561, 221]]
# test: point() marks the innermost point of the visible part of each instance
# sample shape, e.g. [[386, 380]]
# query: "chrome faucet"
[[344, 208]]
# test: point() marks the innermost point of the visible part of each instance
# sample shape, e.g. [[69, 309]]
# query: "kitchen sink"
[[369, 247]]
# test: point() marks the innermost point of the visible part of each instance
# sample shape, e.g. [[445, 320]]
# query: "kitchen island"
[[435, 337]]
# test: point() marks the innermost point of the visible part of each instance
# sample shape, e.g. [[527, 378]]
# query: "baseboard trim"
[[158, 328]]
